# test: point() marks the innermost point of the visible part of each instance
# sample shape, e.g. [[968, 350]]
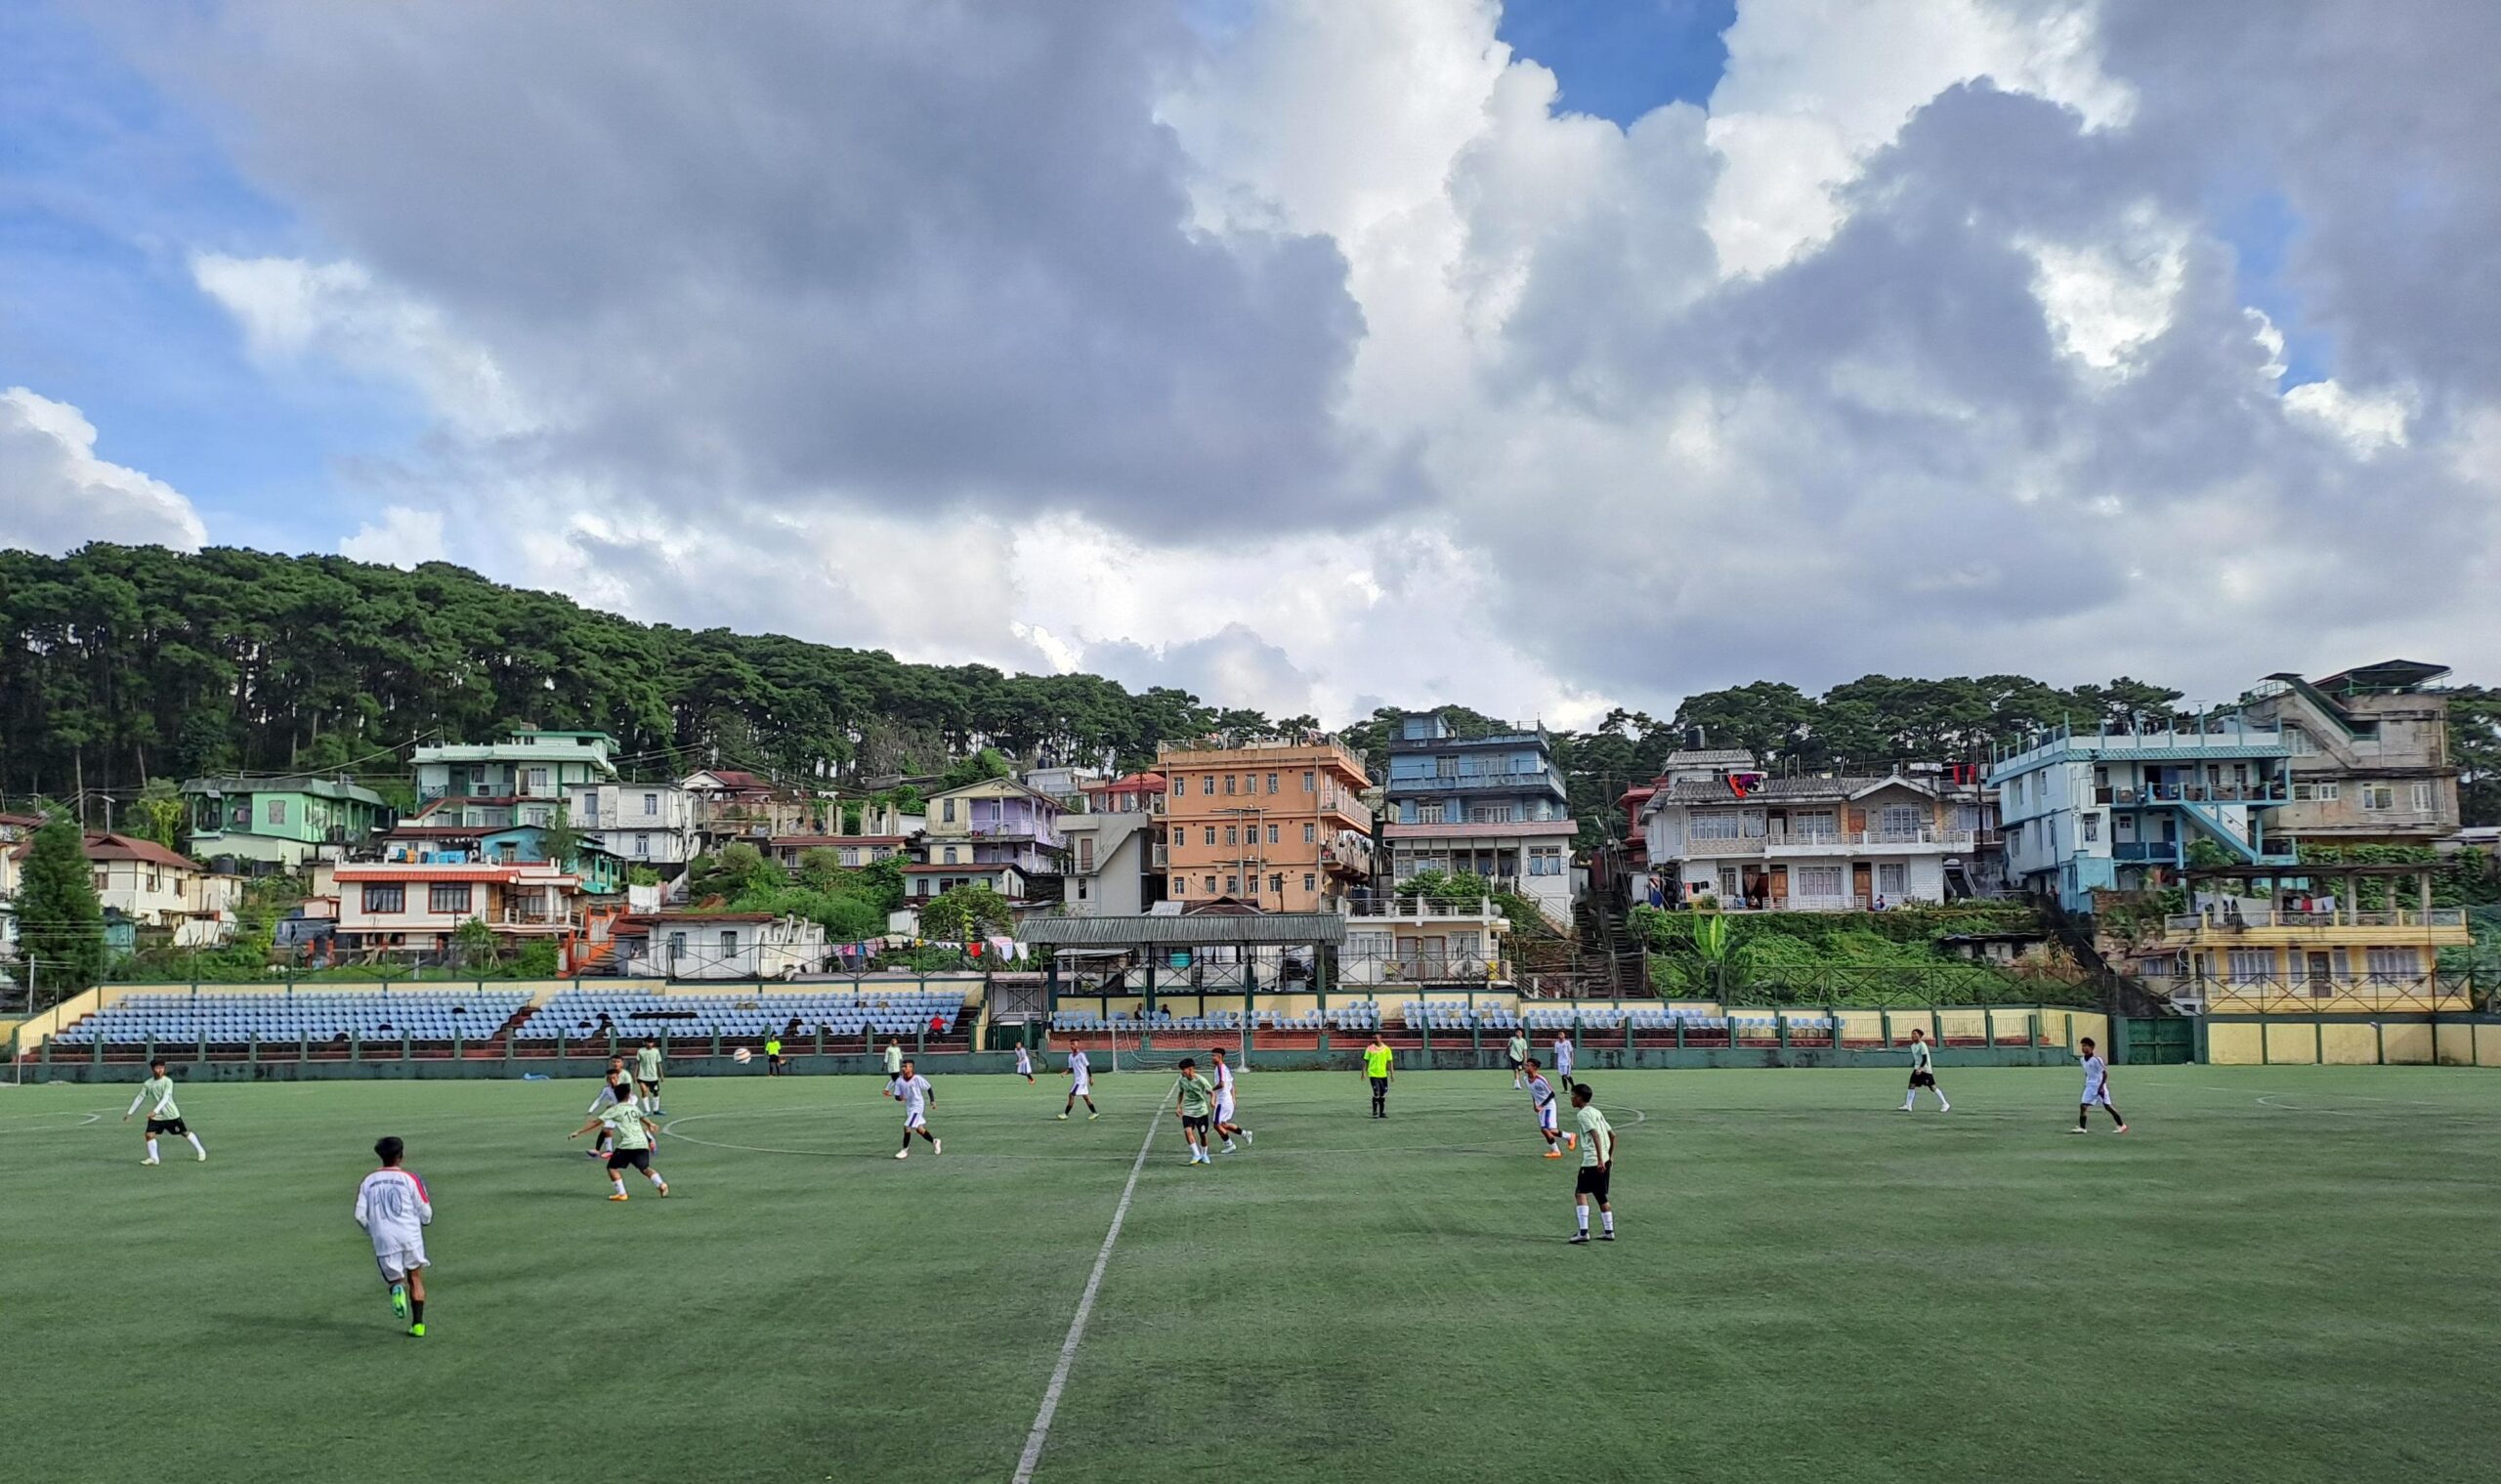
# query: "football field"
[[2288, 1274]]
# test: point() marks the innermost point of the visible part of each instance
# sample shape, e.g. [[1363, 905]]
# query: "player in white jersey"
[[913, 1090], [1024, 1063], [1222, 1076], [163, 1117], [1924, 1074], [1541, 1099], [2096, 1087], [1563, 1059], [393, 1207], [1081, 1084], [608, 1095]]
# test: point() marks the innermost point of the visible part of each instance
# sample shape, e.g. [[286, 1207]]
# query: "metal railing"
[[2196, 793], [1419, 907], [2229, 918]]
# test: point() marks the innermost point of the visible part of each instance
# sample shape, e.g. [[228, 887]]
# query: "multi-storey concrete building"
[[647, 824], [1805, 844], [1490, 806], [2117, 810], [528, 764], [2370, 753], [1278, 824], [281, 821]]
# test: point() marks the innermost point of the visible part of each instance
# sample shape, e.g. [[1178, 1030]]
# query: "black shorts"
[[176, 1127], [1592, 1182], [1923, 1079], [629, 1159], [1190, 1122], [1514, 1061], [1381, 1085], [649, 1089]]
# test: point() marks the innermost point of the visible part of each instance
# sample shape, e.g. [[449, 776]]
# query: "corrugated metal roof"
[[1206, 930]]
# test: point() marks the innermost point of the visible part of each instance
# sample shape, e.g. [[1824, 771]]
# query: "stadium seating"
[[581, 1014], [187, 1018]]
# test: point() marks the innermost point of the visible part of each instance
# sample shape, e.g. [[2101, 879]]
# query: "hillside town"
[[2284, 846]]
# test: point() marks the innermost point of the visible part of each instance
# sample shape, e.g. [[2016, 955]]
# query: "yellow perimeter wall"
[[2393, 1043]]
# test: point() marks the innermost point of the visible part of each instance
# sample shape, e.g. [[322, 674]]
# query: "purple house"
[[994, 824]]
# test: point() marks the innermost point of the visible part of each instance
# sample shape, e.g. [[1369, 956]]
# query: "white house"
[[162, 889], [409, 905], [1805, 844], [720, 944], [1422, 942], [643, 823]]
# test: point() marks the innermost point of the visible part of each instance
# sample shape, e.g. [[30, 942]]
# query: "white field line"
[[1042, 1430]]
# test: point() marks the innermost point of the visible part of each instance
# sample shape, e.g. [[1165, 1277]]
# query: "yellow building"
[[1279, 824], [2331, 939]]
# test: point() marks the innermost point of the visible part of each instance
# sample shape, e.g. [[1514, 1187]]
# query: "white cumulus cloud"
[[56, 494]]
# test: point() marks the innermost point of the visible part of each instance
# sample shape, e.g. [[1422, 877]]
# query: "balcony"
[[1345, 861], [540, 918], [1536, 781], [1420, 907], [2196, 794], [1811, 843]]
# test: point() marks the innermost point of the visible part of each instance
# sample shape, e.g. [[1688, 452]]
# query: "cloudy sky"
[[1313, 355]]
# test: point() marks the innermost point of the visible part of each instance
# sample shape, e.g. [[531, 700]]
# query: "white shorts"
[[1081, 1086], [1545, 1118], [400, 1261], [2097, 1097], [1224, 1109], [915, 1121], [1563, 1068]]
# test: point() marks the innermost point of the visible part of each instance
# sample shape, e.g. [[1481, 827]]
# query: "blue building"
[[2116, 810], [1492, 806]]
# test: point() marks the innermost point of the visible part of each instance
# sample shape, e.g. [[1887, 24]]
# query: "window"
[[2378, 796], [1307, 881], [729, 940], [650, 804], [1233, 886], [1277, 884], [1272, 834], [946, 811], [2302, 793], [1714, 826], [539, 781], [2392, 963], [1180, 886], [382, 897], [2300, 743], [1812, 822], [1817, 880], [101, 879], [1211, 886], [950, 857], [1081, 890], [155, 879], [1430, 814], [1272, 783], [1231, 835], [1310, 834], [1309, 783], [2248, 963], [1546, 863], [1181, 785], [1489, 814], [1891, 881], [1206, 784], [1211, 834], [642, 846], [2329, 793], [1086, 852], [447, 896], [2421, 798], [1902, 819], [1228, 783], [2091, 828], [278, 811]]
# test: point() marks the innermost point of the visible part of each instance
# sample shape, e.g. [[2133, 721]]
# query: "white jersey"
[[1080, 1070], [1024, 1061], [392, 1208], [1563, 1055], [606, 1095], [914, 1093], [2096, 1079], [1223, 1076]]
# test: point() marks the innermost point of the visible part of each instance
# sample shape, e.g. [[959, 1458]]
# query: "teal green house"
[[281, 821]]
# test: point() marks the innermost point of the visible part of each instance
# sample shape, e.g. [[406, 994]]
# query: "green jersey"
[[161, 1091], [647, 1065], [1198, 1096], [1597, 1137], [894, 1061], [1919, 1056], [1376, 1061], [1519, 1047], [772, 1047], [624, 1122]]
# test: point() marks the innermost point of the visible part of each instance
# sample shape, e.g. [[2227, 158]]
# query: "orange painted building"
[[1279, 824]]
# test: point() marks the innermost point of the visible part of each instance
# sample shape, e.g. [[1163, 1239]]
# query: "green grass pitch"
[[2285, 1274]]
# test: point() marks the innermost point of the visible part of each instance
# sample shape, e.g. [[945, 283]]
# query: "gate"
[[2164, 1040]]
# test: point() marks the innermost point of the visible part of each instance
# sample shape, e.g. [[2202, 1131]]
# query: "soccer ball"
[[742, 1054]]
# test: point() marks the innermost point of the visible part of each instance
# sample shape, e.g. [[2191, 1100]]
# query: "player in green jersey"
[[1597, 1167], [163, 1117]]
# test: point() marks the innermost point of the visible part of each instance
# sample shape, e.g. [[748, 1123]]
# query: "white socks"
[[197, 1145], [618, 1181], [1581, 1215], [1607, 1220], [151, 1149]]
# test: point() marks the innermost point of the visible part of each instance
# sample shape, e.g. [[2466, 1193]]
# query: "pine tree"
[[61, 925]]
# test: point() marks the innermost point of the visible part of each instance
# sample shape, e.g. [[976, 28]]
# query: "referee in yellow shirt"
[[1377, 1059]]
